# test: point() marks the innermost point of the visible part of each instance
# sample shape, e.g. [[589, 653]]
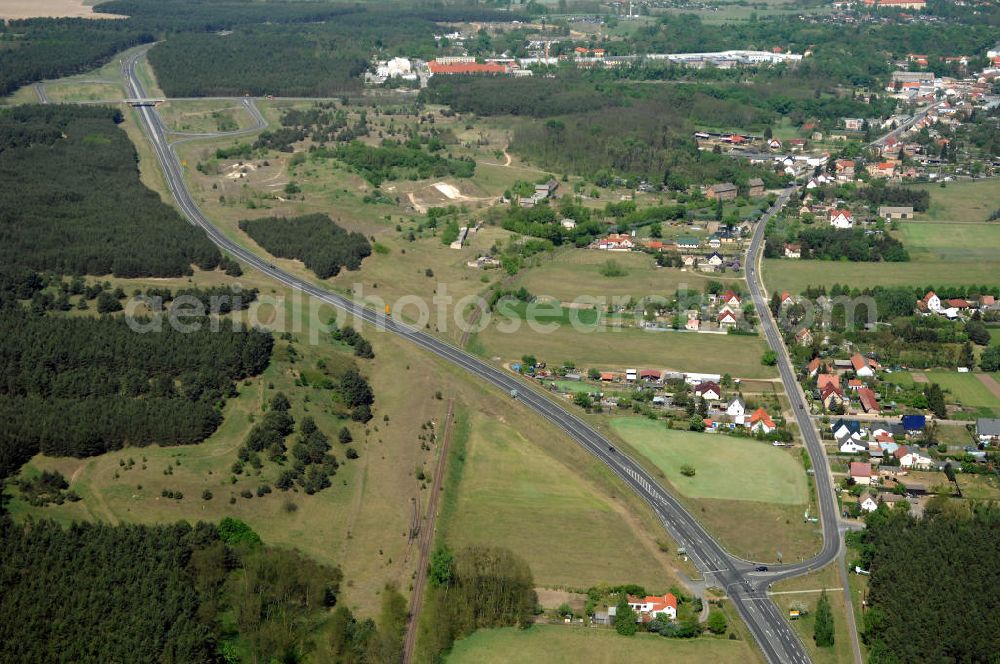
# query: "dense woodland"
[[81, 386], [45, 48], [390, 161], [72, 201], [932, 592], [204, 594], [314, 239]]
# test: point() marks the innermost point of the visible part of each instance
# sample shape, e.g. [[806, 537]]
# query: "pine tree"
[[823, 629], [625, 618]]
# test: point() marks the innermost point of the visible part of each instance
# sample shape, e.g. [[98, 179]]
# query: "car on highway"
[[760, 568]]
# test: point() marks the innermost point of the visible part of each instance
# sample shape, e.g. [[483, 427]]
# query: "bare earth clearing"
[[10, 9]]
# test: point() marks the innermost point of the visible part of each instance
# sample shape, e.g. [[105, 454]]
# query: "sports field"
[[557, 644], [512, 494], [727, 467]]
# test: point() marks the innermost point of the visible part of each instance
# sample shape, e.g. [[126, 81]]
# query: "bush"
[[688, 470], [206, 495]]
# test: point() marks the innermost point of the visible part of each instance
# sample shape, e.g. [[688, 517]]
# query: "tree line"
[[314, 239], [72, 201], [854, 244], [83, 386]]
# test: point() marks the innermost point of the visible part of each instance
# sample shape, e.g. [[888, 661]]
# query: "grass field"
[[963, 201], [965, 388], [512, 493], [204, 116], [728, 467], [750, 495], [620, 348], [556, 644], [70, 91]]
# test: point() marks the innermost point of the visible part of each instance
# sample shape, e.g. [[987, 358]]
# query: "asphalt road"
[[746, 590]]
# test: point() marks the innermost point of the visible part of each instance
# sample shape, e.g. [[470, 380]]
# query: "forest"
[[833, 244], [78, 386], [314, 239], [205, 593], [44, 48], [72, 201], [937, 572]]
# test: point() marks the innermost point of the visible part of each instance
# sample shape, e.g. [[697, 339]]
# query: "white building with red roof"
[[761, 421], [841, 219], [650, 607]]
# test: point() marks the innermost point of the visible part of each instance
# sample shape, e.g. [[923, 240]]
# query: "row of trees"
[[827, 243], [314, 239], [72, 201]]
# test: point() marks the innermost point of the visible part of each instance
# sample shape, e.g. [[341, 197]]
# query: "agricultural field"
[[749, 494], [967, 389], [802, 593], [557, 644], [526, 495], [17, 9], [940, 252]]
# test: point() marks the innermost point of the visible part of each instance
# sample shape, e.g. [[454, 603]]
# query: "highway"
[[746, 589]]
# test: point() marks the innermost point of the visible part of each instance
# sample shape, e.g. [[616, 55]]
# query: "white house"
[[861, 366], [737, 410], [761, 421], [867, 502], [861, 473], [651, 606], [911, 458], [842, 219], [931, 302], [709, 391], [852, 446]]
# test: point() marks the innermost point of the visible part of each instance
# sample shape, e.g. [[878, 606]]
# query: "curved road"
[[746, 590]]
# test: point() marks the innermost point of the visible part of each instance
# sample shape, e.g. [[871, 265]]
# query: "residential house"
[[861, 366], [727, 319], [608, 376], [930, 303], [688, 242], [851, 446], [890, 212], [813, 367], [823, 380], [844, 169], [755, 187], [693, 324], [883, 169], [631, 375], [831, 396], [546, 189], [844, 428], [616, 242], [651, 607], [786, 299], [910, 458], [796, 144], [567, 223], [731, 299], [861, 472], [761, 421], [709, 391], [804, 337], [868, 502], [869, 402], [854, 124], [793, 250], [988, 429], [736, 410], [854, 384], [841, 219], [727, 191], [958, 303], [649, 375], [713, 259]]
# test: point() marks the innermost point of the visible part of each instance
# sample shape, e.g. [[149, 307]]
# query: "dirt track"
[[991, 384]]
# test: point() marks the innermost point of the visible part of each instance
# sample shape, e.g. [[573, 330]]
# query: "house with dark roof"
[[726, 191], [914, 423], [988, 429], [755, 187]]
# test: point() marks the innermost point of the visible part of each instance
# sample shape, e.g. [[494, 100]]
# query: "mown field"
[[728, 468], [963, 201], [568, 645], [748, 494], [512, 492]]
